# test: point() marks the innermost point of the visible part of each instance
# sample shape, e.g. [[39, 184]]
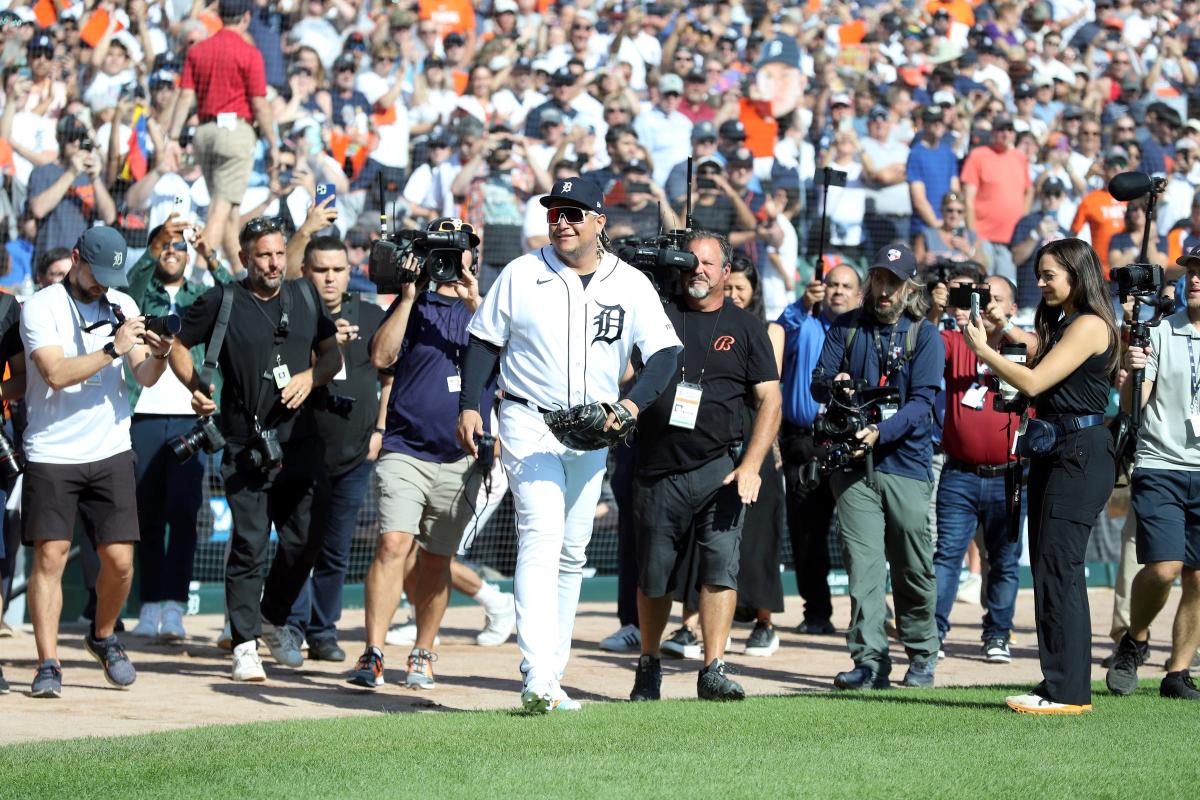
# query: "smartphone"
[[326, 190], [179, 205], [638, 187], [960, 296], [974, 307], [706, 183]]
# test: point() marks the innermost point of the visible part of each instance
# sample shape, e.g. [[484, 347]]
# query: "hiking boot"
[[712, 684], [861, 677], [920, 674], [682, 644], [325, 650], [420, 669], [1179, 686], [647, 681], [368, 672], [284, 643], [763, 640], [47, 681], [1122, 676], [118, 669], [996, 651]]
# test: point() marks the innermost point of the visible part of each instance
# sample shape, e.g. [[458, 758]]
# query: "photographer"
[[695, 473], [273, 465], [810, 509], [427, 486], [1072, 462], [1166, 494], [77, 447], [888, 343], [168, 492]]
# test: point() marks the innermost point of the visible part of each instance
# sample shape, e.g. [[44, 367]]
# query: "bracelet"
[[1008, 326], [380, 431], [163, 357]]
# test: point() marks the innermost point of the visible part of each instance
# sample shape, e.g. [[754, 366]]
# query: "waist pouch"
[[1038, 438]]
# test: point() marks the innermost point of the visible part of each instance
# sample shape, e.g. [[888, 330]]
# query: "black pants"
[[624, 469], [290, 498], [1067, 491], [809, 516]]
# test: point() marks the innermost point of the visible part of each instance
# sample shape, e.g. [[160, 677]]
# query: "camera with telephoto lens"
[[203, 436], [835, 443], [11, 463], [265, 452], [1138, 279], [1008, 399], [662, 259], [166, 325], [438, 251]]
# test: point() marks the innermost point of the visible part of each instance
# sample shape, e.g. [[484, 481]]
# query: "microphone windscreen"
[[1129, 186]]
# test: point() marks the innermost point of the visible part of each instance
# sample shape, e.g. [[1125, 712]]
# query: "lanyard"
[[707, 350], [887, 357], [1195, 368]]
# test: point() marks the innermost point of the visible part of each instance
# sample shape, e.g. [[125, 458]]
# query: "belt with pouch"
[[1039, 435]]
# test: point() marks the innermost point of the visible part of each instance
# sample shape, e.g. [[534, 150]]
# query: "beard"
[[889, 316], [697, 291], [260, 281]]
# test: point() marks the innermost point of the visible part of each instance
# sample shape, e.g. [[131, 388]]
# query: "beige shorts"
[[429, 500], [225, 157]]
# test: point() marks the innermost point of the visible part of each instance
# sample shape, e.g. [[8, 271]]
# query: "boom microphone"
[[1129, 186]]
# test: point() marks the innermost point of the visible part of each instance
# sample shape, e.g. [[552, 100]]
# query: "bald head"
[[843, 290]]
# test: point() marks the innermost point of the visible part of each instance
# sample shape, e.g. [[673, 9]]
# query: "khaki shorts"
[[434, 502], [226, 158]]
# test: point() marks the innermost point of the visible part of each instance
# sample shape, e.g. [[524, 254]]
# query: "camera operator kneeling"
[[273, 463], [882, 517], [1072, 460]]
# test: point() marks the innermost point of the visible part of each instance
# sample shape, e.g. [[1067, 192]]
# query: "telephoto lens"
[[166, 325], [10, 459]]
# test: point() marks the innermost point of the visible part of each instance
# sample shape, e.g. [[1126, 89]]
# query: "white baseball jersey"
[[564, 345]]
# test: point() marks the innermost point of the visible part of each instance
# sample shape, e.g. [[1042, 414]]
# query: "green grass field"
[[958, 743]]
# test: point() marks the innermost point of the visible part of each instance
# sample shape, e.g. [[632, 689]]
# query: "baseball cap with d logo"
[[104, 250]]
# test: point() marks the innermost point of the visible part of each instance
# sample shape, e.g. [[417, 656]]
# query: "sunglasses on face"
[[572, 215], [956, 211], [179, 246], [1123, 129], [41, 54]]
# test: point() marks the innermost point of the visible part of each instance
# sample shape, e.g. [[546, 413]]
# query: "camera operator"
[[348, 422], [273, 464], [695, 473], [1166, 494], [810, 509], [884, 520], [168, 492], [1072, 462], [79, 459], [427, 485]]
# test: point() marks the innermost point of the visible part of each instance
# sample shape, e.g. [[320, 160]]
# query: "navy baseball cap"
[[104, 250], [579, 192], [897, 259]]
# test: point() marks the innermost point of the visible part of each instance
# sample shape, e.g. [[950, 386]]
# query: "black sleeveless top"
[[1084, 391]]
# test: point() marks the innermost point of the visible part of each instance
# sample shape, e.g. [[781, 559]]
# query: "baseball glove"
[[582, 427]]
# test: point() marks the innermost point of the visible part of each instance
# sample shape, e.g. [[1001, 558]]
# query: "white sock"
[[488, 595]]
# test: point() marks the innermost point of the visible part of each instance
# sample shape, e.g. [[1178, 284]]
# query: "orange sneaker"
[[420, 669]]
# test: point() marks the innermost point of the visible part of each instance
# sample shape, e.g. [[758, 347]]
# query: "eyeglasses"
[[1124, 129], [384, 57], [616, 110], [572, 215], [1089, 133]]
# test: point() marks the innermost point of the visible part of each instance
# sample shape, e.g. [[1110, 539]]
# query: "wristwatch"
[[110, 350]]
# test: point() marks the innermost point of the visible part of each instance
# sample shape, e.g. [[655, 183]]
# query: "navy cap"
[[233, 8], [732, 129], [1054, 186], [781, 50], [897, 259], [563, 77], [578, 192], [704, 130], [878, 112], [104, 250], [741, 158], [40, 42], [454, 39]]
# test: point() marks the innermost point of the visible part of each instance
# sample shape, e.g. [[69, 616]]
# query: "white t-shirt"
[[36, 133], [776, 295], [392, 148], [429, 187], [89, 421], [105, 89], [513, 108], [564, 345]]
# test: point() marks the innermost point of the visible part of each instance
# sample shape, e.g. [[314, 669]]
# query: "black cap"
[[40, 42], [932, 114], [454, 39], [438, 137], [732, 129], [1002, 122], [637, 165], [1190, 258], [344, 62], [563, 77], [434, 61], [1054, 186], [575, 191], [233, 8], [897, 259], [741, 157], [1022, 91]]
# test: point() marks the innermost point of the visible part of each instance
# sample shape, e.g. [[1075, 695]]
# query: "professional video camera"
[[661, 258], [203, 436], [438, 251], [853, 405]]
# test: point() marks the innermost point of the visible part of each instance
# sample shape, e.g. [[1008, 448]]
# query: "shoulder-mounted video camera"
[[438, 251], [661, 259], [853, 405]]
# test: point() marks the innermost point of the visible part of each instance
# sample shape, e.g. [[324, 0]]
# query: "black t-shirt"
[[10, 331], [347, 437], [250, 354], [731, 347], [718, 218]]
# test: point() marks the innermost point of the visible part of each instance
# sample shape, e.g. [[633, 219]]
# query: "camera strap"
[[1195, 370], [217, 341]]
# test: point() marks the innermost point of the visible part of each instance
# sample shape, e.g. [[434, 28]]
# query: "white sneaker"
[[626, 640], [559, 701], [171, 628], [970, 590], [149, 620], [247, 666], [1036, 704], [406, 635], [225, 640], [500, 623]]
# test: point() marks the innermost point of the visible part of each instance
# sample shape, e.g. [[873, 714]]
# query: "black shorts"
[[104, 493], [1167, 505], [675, 513]]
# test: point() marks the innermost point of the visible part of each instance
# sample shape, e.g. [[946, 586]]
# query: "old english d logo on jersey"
[[723, 343], [610, 323]]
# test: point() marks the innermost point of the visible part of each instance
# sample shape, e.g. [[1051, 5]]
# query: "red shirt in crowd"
[[225, 71], [979, 437]]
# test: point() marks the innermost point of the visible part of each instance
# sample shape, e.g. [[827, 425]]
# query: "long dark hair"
[[745, 266], [1088, 295]]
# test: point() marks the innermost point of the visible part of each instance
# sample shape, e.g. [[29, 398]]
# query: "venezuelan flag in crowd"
[[137, 163]]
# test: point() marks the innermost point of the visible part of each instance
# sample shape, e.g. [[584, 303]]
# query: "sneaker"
[[647, 680], [1122, 676], [996, 651], [817, 627], [368, 672], [970, 590], [326, 649], [561, 701], [682, 644], [1036, 704], [535, 702], [1179, 686], [406, 635], [420, 669], [498, 623], [247, 665], [763, 640], [862, 677], [47, 681], [920, 674], [627, 639], [284, 643], [225, 640], [941, 654], [712, 684], [3, 683], [171, 629], [118, 669], [149, 620]]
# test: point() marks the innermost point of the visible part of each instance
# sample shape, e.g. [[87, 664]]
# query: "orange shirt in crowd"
[[451, 16], [762, 130], [1001, 181], [959, 10], [1105, 217]]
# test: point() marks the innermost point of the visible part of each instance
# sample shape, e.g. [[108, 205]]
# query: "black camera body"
[[265, 452], [960, 296], [438, 254], [166, 325], [1138, 279], [204, 435], [661, 259], [836, 447]]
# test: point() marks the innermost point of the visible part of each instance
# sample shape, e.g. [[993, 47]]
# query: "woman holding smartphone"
[[1072, 460]]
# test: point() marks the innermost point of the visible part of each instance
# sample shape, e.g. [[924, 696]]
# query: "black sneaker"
[[1122, 676], [763, 640], [996, 651], [3, 683], [862, 677], [326, 650], [711, 684], [920, 674], [816, 627], [682, 644], [118, 669], [1179, 686], [647, 681]]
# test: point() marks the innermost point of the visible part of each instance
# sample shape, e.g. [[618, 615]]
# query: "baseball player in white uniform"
[[562, 321]]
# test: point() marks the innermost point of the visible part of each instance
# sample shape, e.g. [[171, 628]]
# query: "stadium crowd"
[[257, 144]]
